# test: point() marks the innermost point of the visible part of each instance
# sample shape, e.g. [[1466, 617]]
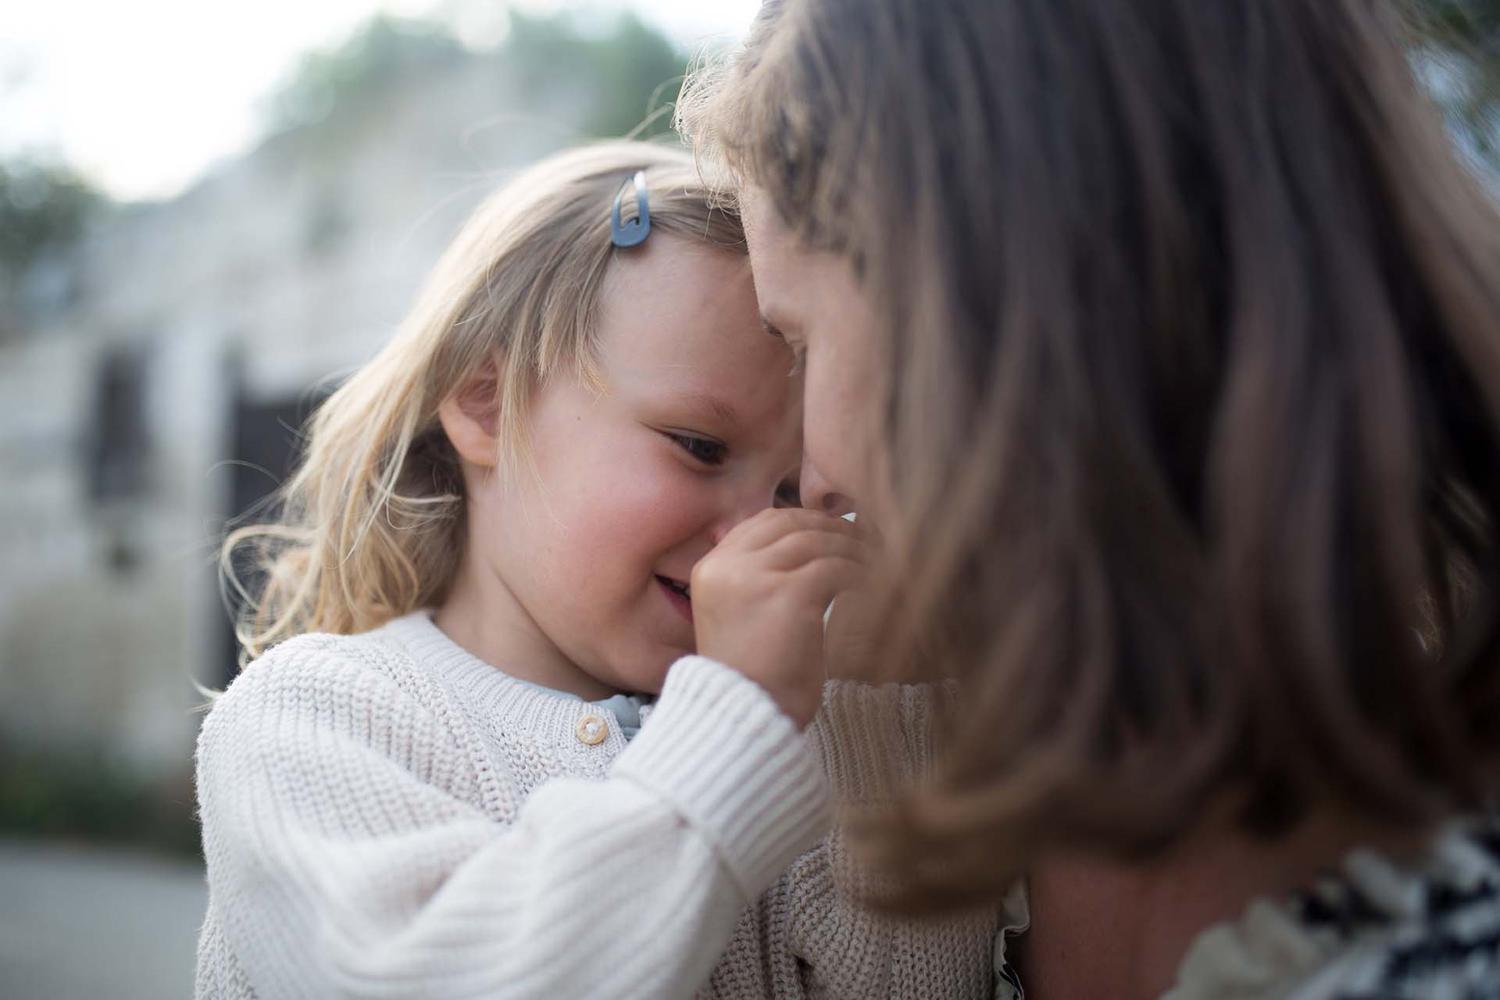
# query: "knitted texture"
[[384, 815], [808, 936]]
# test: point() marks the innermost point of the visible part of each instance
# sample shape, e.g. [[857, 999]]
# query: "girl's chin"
[[650, 674], [670, 654]]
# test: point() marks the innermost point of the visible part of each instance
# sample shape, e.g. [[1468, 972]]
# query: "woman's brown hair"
[[1193, 343]]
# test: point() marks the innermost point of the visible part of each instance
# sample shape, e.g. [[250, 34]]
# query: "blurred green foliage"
[[42, 206], [380, 56], [630, 71], [87, 795], [624, 70]]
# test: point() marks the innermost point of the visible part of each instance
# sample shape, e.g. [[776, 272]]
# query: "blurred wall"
[[147, 353]]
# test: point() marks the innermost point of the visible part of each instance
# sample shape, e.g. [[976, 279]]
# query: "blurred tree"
[[44, 207], [381, 54], [628, 70], [624, 71]]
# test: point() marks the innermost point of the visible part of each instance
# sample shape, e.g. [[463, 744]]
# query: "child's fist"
[[759, 599]]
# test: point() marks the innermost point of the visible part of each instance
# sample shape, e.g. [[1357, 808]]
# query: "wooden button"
[[592, 730]]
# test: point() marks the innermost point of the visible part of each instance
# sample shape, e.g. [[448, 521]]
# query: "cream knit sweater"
[[385, 815]]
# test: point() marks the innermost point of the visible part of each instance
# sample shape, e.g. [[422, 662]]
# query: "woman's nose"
[[818, 493]]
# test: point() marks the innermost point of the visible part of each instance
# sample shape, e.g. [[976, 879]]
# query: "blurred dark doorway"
[[265, 439]]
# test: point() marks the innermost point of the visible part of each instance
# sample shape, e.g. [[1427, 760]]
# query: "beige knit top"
[[385, 815]]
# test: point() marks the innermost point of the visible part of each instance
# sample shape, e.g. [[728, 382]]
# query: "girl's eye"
[[706, 451]]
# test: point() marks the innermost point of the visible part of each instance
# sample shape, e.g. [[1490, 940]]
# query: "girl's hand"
[[759, 599]]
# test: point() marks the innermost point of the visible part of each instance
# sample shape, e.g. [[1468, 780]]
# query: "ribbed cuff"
[[875, 740], [717, 748]]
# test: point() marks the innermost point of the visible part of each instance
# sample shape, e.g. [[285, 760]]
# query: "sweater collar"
[[489, 690]]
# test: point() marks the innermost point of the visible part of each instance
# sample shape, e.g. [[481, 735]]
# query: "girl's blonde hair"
[[371, 524]]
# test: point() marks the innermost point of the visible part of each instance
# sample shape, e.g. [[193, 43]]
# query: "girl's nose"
[[750, 499], [733, 515]]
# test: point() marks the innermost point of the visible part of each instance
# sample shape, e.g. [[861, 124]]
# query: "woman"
[[1162, 341]]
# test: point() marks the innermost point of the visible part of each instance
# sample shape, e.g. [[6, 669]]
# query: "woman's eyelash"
[[704, 450]]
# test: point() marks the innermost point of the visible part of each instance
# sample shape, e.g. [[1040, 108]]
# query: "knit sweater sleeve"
[[819, 940], [876, 740], [345, 857]]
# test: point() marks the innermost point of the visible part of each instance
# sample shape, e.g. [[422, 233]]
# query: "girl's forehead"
[[726, 390], [721, 374], [683, 314]]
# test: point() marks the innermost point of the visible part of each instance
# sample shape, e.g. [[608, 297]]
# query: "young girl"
[[558, 481]]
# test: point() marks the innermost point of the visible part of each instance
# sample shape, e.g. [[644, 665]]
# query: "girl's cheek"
[[649, 499], [683, 504]]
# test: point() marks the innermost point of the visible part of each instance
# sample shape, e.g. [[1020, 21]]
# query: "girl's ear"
[[471, 417]]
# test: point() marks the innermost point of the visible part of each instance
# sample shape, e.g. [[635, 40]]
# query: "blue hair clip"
[[631, 232]]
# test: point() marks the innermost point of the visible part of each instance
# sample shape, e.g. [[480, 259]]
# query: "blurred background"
[[206, 214]]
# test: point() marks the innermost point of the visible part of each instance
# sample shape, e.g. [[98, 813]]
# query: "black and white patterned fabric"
[[1374, 930]]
